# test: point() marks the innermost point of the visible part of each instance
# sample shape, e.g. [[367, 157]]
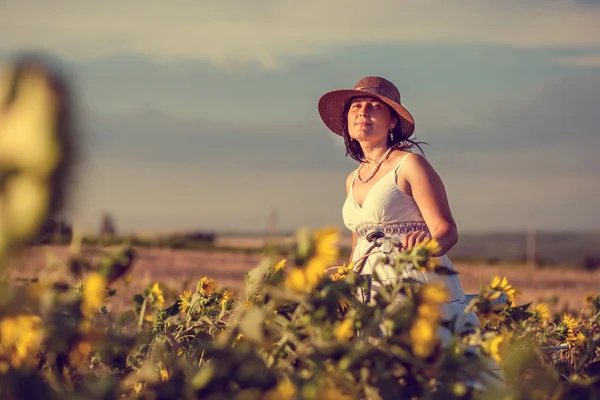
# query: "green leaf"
[[173, 309], [255, 277], [251, 325], [304, 244], [445, 271], [203, 377]]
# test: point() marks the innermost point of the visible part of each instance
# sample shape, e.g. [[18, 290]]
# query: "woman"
[[393, 189]]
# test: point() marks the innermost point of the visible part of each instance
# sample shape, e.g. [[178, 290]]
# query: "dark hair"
[[400, 142]]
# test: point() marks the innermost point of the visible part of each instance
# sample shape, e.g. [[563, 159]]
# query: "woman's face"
[[369, 119]]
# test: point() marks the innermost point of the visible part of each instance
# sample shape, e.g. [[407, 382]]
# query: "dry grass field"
[[180, 269]]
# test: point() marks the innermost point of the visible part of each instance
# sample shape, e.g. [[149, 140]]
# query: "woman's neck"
[[373, 154]]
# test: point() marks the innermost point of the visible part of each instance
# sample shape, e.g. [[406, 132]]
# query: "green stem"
[[142, 313]]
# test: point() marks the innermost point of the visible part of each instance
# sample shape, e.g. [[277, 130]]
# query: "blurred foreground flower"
[[157, 295], [325, 252], [423, 332], [21, 338], [422, 256], [494, 344], [35, 149], [342, 272], [345, 330], [93, 294]]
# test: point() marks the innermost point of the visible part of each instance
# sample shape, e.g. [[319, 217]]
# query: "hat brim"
[[331, 110]]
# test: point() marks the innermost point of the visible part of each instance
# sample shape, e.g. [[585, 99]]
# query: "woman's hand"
[[411, 239]]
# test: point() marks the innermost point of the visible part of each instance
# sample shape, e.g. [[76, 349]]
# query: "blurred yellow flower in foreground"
[[280, 265], [494, 346], [21, 337], [158, 295], [164, 373], [285, 390], [342, 272], [34, 143], [326, 245], [300, 280], [423, 332], [326, 252], [28, 141], [25, 204], [93, 294], [345, 330], [423, 255], [331, 391], [80, 352]]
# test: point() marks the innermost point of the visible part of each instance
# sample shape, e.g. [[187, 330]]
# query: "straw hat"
[[331, 104]]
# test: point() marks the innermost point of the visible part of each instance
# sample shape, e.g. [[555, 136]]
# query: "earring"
[[391, 136]]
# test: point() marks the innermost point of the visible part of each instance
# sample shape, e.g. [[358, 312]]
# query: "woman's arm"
[[427, 188]]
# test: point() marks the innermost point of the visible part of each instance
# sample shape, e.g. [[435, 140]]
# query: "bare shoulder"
[[417, 164], [417, 171], [397, 156]]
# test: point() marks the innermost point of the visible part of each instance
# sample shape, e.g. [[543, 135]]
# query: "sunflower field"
[[297, 331]]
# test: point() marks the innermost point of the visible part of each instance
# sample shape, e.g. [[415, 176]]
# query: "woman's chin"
[[366, 137]]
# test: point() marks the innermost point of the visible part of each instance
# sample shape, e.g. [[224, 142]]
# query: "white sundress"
[[388, 208]]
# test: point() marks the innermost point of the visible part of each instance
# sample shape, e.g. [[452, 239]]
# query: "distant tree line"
[[61, 232]]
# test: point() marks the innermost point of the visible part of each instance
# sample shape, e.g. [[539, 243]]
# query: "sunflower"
[[185, 300], [206, 286], [225, 297], [572, 335], [487, 311], [342, 272], [502, 285], [541, 311]]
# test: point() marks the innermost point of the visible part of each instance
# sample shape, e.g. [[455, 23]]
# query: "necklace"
[[375, 169]]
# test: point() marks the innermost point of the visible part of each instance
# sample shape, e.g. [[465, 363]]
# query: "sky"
[[203, 115]]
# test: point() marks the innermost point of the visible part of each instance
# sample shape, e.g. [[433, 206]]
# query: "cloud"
[[559, 113], [240, 33], [155, 137], [523, 162], [150, 196], [581, 60]]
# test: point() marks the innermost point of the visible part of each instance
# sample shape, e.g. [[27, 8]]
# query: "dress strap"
[[354, 178], [399, 166]]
